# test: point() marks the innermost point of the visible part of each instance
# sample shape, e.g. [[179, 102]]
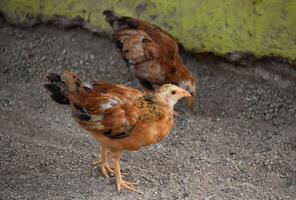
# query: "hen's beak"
[[191, 100], [189, 96]]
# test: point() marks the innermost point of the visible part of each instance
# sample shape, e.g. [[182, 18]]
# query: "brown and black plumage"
[[151, 53], [119, 117]]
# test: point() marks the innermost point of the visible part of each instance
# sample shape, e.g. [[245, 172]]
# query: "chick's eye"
[[174, 92]]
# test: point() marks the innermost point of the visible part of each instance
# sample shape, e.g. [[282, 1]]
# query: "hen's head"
[[172, 93], [189, 85]]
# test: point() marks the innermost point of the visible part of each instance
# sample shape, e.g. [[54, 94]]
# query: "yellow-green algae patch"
[[260, 27]]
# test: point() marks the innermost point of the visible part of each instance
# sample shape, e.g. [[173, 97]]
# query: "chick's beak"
[[187, 94]]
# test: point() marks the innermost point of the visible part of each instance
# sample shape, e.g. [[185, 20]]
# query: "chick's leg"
[[103, 163], [120, 183]]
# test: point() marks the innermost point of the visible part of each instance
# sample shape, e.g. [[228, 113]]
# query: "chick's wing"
[[106, 109]]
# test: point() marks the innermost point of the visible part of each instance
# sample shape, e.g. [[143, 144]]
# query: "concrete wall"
[[260, 27]]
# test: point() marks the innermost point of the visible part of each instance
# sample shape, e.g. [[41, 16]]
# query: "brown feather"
[[153, 52], [119, 117]]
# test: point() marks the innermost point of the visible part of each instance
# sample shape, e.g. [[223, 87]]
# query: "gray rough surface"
[[240, 143]]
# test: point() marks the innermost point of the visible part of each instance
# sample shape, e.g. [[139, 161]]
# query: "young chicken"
[[151, 54], [119, 117]]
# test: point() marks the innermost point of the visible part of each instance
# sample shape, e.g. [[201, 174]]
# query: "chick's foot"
[[105, 168]]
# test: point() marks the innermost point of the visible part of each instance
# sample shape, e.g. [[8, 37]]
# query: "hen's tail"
[[118, 22], [111, 16], [57, 88]]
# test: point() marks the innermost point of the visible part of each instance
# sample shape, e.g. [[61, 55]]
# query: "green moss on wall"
[[260, 27]]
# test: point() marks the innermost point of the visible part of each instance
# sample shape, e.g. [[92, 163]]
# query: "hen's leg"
[[103, 163], [120, 183]]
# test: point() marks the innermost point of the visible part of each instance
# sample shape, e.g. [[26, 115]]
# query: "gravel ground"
[[238, 143]]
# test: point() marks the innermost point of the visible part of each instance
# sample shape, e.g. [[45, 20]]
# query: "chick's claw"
[[105, 168], [127, 185]]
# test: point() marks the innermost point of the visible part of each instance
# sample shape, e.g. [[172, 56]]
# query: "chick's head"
[[172, 93]]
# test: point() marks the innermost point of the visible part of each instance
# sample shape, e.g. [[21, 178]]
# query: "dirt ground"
[[238, 143]]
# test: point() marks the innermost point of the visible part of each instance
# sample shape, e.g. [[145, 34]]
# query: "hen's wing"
[[141, 39], [136, 46], [155, 32], [104, 108]]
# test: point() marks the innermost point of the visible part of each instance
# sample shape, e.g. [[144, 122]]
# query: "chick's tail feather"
[[57, 88]]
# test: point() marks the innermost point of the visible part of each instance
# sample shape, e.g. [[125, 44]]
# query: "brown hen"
[[151, 54], [119, 117]]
